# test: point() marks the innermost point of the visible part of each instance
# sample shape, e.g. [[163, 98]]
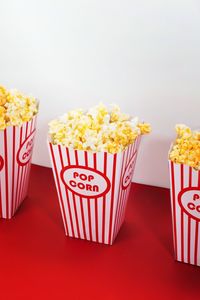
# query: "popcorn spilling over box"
[[17, 130], [93, 156], [184, 165]]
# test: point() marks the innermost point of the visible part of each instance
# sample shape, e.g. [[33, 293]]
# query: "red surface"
[[39, 262]]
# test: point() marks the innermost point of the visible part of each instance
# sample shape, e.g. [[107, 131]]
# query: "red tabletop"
[[39, 262]]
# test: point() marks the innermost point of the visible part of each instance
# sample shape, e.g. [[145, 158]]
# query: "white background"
[[143, 55]]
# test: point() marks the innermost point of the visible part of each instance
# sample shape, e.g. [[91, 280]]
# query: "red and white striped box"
[[185, 206], [93, 189], [16, 145]]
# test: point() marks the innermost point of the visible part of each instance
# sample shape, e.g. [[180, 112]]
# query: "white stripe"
[[9, 164], [198, 248], [185, 236], [3, 194], [109, 173], [124, 197], [116, 191], [100, 167], [71, 200], [26, 178], [92, 201], [22, 168], [193, 223], [123, 192], [192, 240], [177, 186], [82, 162], [185, 216], [85, 210], [63, 191], [79, 216], [57, 161], [171, 201], [92, 210]]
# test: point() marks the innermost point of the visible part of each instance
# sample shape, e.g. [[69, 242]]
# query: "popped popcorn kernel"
[[186, 149], [98, 129], [144, 127], [16, 108]]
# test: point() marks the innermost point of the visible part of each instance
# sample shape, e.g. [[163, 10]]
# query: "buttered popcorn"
[[186, 149], [98, 129], [15, 108]]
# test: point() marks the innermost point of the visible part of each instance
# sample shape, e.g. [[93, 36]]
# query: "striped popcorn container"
[[16, 145], [93, 189], [185, 206]]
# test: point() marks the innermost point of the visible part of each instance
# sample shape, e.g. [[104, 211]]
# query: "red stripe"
[[6, 172], [199, 179], [74, 201], [128, 189], [81, 204], [174, 208], [32, 127], [21, 186], [104, 202], [196, 253], [86, 158], [28, 166], [182, 218], [112, 199], [89, 219], [196, 243], [1, 204], [189, 219], [13, 172], [70, 213], [67, 195], [63, 207], [20, 176], [96, 203], [23, 169], [83, 219], [76, 215], [88, 201], [1, 208], [189, 228], [190, 176], [124, 192], [76, 156], [18, 170], [119, 195], [58, 183], [136, 149]]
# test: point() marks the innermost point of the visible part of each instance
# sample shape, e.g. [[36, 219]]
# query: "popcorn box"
[[93, 189], [16, 146], [185, 207]]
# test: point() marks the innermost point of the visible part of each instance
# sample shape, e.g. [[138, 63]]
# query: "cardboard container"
[[16, 146], [185, 207], [93, 189]]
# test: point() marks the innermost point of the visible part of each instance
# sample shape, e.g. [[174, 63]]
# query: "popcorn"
[[16, 108], [186, 149], [98, 129]]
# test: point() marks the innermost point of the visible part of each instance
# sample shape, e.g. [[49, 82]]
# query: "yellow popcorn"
[[15, 108], [186, 149], [98, 129]]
